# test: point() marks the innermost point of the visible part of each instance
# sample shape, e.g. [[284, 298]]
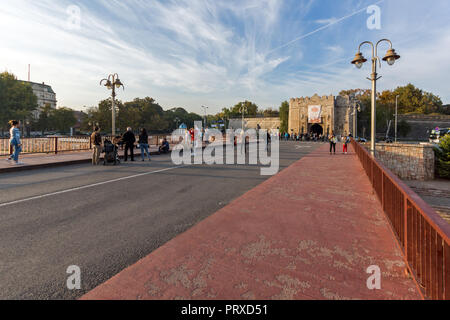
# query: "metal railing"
[[422, 234], [65, 144]]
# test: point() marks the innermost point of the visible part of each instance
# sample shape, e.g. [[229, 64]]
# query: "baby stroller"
[[111, 153]]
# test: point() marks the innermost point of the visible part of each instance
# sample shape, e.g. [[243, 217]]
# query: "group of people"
[[333, 139], [303, 137], [128, 141]]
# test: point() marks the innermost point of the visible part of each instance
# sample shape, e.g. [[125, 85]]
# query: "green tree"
[[17, 100], [250, 108], [63, 119], [443, 157], [284, 116], [270, 113], [44, 122]]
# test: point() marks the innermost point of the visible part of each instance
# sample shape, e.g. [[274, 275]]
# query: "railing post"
[[382, 191], [56, 145], [405, 227]]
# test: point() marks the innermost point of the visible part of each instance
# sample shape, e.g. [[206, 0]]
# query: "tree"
[[443, 157], [44, 123], [63, 119], [17, 100], [101, 115], [270, 113], [250, 108], [284, 116], [411, 100]]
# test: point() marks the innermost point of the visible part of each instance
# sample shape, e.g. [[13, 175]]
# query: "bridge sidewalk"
[[309, 232], [36, 161]]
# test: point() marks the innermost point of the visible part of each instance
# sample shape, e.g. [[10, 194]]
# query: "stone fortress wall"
[[407, 161], [336, 114], [421, 125]]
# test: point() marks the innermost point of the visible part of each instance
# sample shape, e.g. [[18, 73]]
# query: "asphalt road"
[[104, 219]]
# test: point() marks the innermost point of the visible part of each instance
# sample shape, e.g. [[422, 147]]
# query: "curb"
[[56, 164]]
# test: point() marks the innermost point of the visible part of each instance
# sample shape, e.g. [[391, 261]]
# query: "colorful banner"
[[315, 114]]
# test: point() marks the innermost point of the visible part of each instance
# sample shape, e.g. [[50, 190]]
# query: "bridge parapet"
[[422, 234]]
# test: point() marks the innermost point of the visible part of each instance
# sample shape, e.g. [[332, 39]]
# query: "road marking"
[[87, 186]]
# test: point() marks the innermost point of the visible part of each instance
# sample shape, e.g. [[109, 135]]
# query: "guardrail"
[[65, 144], [422, 234]]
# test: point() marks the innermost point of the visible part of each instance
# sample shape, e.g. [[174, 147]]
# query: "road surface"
[[104, 219]]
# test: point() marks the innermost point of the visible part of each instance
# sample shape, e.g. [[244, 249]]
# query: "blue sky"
[[217, 53]]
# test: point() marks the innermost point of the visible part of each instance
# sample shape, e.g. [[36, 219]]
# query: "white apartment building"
[[45, 95]]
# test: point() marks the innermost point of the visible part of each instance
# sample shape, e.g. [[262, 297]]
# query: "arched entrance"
[[316, 128]]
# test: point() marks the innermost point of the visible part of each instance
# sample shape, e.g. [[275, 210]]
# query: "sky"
[[193, 53]]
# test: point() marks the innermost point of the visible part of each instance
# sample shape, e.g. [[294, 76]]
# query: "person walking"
[[96, 140], [129, 140], [143, 144], [333, 141], [346, 143], [14, 141], [11, 148]]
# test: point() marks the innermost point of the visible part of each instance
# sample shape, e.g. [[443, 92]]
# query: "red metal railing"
[[423, 235]]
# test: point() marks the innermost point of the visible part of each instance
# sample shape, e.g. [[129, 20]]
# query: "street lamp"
[[390, 57], [111, 83], [177, 121], [396, 116], [356, 108], [242, 110], [205, 108]]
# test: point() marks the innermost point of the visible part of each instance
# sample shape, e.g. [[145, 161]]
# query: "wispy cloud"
[[189, 53]]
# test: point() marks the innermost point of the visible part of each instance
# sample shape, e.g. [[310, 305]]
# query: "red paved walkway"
[[308, 233]]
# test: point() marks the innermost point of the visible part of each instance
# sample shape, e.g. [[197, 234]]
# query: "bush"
[[443, 158]]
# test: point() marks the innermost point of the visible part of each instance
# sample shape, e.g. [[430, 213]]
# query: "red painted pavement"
[[308, 233]]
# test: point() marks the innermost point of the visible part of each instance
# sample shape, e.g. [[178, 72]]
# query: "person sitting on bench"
[[164, 148]]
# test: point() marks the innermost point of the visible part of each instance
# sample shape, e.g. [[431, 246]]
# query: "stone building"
[[265, 123], [321, 115], [45, 95]]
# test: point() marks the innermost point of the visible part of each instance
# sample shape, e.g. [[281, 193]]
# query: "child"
[[346, 142]]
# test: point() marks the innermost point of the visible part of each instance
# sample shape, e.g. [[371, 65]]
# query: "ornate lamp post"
[[177, 121], [205, 108], [396, 116], [356, 108], [111, 83], [242, 110], [358, 61]]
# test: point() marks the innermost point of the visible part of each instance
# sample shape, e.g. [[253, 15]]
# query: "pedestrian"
[[346, 142], [143, 144], [96, 140], [129, 140], [164, 147], [14, 141], [333, 141], [11, 148]]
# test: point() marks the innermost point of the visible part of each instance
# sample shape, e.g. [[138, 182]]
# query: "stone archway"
[[316, 128]]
